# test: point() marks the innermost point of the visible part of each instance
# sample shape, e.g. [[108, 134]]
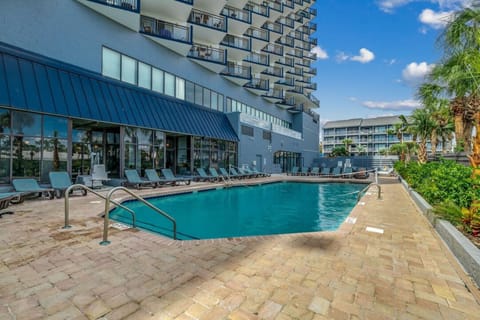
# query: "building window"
[[144, 75], [169, 84], [248, 131], [179, 88], [198, 95], [206, 97], [129, 70], [111, 63], [157, 80], [190, 92], [267, 135]]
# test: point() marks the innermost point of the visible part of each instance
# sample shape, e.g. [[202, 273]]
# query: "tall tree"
[[422, 125]]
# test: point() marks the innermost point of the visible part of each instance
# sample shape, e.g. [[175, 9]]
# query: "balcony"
[[208, 28], [236, 73], [288, 24], [259, 37], [272, 73], [212, 59], [313, 11], [173, 10], [310, 87], [238, 19], [310, 55], [260, 13], [276, 10], [273, 27], [285, 83], [296, 109], [170, 35], [311, 71], [238, 47], [124, 12], [274, 95], [296, 73], [287, 103], [298, 53], [303, 45], [286, 41], [273, 48], [257, 61], [285, 61], [257, 86]]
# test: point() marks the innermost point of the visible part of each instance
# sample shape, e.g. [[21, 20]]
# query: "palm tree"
[[422, 125], [347, 142], [459, 71]]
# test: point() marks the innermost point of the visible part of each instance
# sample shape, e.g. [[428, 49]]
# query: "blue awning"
[[35, 83]]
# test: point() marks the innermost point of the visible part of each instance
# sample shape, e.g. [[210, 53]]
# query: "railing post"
[[67, 210], [105, 241]]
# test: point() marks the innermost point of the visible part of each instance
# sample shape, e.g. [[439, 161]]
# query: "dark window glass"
[[5, 121], [55, 127], [248, 131], [267, 135], [190, 92], [27, 124], [4, 158]]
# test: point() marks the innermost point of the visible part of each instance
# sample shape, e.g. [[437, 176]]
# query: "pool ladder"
[[108, 199]]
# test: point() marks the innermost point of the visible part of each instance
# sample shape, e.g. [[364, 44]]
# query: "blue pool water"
[[245, 211]]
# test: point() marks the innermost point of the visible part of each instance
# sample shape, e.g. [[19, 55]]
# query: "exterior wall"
[[70, 32]]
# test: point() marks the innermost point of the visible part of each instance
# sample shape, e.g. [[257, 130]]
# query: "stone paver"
[[404, 273]]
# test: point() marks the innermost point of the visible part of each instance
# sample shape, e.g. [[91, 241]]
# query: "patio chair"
[[224, 173], [168, 174], [234, 173], [304, 171], [385, 171], [31, 186], [336, 172], [325, 171], [246, 173], [60, 181], [153, 177], [203, 176], [133, 179], [347, 172], [214, 173], [294, 172], [260, 173], [315, 171], [5, 199]]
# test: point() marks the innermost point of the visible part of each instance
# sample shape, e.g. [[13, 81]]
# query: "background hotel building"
[[155, 83]]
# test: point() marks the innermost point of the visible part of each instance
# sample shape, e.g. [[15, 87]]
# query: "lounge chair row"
[[152, 179], [335, 172]]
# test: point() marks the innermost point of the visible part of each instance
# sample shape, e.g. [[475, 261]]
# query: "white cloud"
[[435, 20], [408, 104], [415, 73], [364, 56], [390, 5], [321, 53]]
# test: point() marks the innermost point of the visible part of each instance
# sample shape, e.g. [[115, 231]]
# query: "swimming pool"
[[275, 208]]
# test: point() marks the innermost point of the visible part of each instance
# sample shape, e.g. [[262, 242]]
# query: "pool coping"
[[344, 228]]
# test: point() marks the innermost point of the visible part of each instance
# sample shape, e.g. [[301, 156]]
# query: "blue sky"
[[372, 54]]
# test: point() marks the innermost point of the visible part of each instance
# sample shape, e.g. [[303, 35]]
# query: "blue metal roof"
[[35, 83]]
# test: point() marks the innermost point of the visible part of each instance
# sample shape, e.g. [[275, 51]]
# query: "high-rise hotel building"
[[143, 84]]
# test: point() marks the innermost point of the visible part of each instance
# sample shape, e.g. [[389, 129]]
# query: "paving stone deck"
[[406, 272]]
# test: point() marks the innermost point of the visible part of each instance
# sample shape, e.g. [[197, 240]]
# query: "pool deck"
[[406, 272]]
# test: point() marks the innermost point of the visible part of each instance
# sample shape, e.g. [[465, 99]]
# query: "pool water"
[[276, 208]]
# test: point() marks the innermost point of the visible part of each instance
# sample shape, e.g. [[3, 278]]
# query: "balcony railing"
[[275, 93], [208, 20], [296, 34], [312, 71], [257, 8], [286, 82], [311, 86], [237, 14], [288, 102], [310, 55], [296, 71], [257, 58], [296, 89], [237, 70], [236, 42], [258, 33], [274, 48], [286, 132], [166, 30], [314, 99], [259, 84], [288, 3], [130, 5], [273, 71], [287, 41], [286, 61], [207, 53], [273, 26], [275, 6], [286, 21], [313, 11], [296, 53]]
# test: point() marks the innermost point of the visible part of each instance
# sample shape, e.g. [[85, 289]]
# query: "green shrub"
[[441, 181]]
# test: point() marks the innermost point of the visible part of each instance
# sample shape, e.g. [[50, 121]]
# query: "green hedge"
[[441, 181]]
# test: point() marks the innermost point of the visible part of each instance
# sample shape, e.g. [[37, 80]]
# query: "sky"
[[373, 54]]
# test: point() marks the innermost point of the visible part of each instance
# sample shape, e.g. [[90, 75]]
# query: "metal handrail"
[[81, 186], [379, 189], [148, 204]]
